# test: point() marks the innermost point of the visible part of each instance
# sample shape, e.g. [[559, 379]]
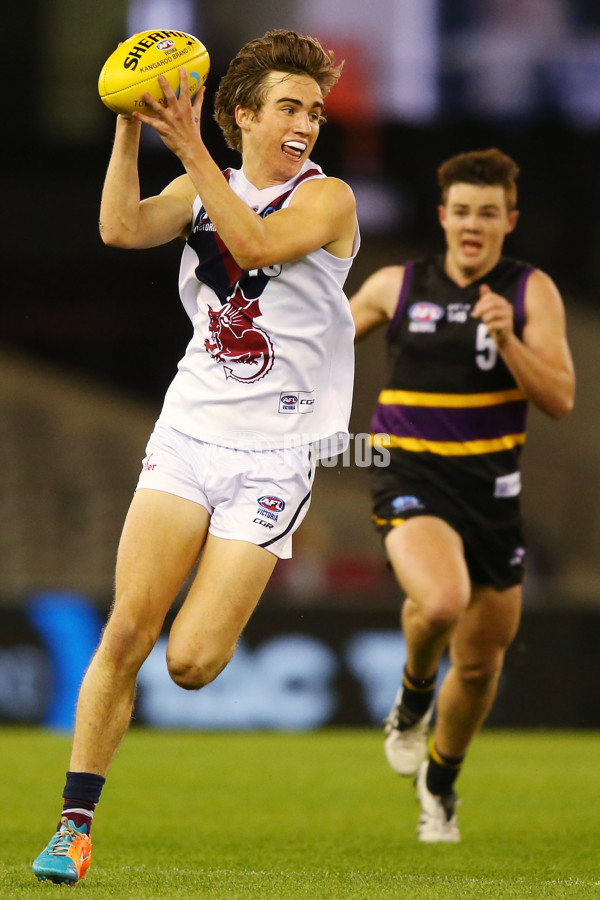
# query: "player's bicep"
[[545, 327], [322, 213], [375, 302], [167, 215]]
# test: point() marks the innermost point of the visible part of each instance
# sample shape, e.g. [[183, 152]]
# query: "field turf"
[[317, 815]]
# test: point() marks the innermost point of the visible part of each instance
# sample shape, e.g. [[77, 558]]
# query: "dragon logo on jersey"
[[244, 349]]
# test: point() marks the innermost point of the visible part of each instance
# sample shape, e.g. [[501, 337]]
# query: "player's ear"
[[513, 218], [442, 214], [243, 117]]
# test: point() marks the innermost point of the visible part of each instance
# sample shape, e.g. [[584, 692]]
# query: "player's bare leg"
[[477, 650], [231, 578], [427, 557], [162, 537]]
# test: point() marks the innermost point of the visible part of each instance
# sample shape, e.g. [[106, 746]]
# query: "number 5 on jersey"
[[486, 346]]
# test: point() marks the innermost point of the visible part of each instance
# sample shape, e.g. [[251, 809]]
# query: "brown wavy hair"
[[279, 51], [483, 167]]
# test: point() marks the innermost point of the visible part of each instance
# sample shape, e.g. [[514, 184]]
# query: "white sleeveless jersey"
[[271, 361]]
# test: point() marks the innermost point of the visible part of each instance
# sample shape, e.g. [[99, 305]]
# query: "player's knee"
[[444, 607], [482, 672], [125, 644], [191, 674]]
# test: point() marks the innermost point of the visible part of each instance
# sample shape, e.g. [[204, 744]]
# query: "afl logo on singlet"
[[274, 504], [424, 316]]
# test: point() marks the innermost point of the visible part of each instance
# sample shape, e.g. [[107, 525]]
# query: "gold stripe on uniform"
[[394, 522], [450, 448], [421, 398]]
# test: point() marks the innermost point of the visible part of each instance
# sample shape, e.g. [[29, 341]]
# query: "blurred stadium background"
[[90, 337]]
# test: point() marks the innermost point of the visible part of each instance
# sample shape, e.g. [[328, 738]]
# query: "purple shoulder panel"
[[395, 322], [520, 300]]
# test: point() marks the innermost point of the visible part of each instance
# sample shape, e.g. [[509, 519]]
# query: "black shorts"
[[490, 527]]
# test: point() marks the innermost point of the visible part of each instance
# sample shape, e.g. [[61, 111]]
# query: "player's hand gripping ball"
[[135, 65]]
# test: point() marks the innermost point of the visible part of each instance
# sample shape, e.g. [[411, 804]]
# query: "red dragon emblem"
[[235, 341]]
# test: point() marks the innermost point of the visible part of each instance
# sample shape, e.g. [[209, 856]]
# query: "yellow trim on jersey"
[[450, 448], [392, 522], [421, 398]]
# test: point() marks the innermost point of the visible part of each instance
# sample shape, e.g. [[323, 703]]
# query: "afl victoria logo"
[[425, 312], [274, 504]]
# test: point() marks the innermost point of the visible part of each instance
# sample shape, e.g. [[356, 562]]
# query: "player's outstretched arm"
[[375, 302], [126, 220]]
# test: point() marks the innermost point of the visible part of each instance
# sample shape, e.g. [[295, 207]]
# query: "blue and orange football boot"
[[67, 857]]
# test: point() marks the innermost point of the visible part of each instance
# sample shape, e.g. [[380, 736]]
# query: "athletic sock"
[[81, 794], [417, 695], [442, 771]]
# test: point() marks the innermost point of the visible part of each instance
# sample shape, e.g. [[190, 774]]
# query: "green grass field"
[[317, 815]]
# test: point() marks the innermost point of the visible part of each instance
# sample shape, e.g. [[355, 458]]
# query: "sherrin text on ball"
[[133, 69]]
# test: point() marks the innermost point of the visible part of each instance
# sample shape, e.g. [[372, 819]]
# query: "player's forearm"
[[365, 321], [238, 226], [120, 204], [550, 387]]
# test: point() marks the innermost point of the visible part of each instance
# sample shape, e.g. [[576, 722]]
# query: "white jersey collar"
[[258, 199]]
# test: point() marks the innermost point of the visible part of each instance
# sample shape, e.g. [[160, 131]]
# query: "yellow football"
[[135, 65]]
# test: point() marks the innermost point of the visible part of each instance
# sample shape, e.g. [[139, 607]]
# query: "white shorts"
[[260, 496]]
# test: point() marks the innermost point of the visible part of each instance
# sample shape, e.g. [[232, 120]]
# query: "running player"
[[472, 336], [263, 390]]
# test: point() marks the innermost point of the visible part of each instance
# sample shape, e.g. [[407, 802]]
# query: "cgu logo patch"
[[273, 504], [296, 402], [244, 349]]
